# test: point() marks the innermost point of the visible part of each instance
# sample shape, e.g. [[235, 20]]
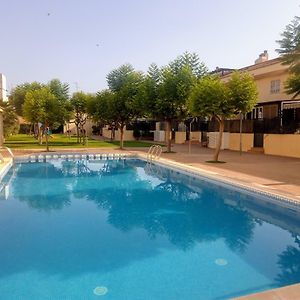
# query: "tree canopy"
[[10, 119], [79, 103], [290, 45], [61, 92], [17, 95], [214, 98], [165, 91], [290, 53], [124, 84], [41, 106]]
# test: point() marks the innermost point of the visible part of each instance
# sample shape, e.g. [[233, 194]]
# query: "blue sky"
[[81, 41]]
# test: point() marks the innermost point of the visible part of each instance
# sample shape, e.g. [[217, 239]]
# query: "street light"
[[190, 139]]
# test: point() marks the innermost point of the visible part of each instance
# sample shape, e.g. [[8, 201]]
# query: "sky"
[[80, 42]]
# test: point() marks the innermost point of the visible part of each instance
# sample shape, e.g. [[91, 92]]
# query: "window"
[[257, 113], [275, 86]]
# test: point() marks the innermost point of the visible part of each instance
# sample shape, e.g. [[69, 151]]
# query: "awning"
[[291, 105]]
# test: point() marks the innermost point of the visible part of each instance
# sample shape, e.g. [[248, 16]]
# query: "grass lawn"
[[24, 141]]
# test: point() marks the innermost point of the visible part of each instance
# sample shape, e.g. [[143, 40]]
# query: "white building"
[[3, 90]]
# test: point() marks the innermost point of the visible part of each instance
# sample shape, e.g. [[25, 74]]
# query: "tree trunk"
[[77, 133], [121, 136], [31, 125], [46, 132], [168, 135], [241, 133], [68, 130], [219, 142], [40, 135]]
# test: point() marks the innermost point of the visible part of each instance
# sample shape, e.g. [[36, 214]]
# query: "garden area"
[[25, 141]]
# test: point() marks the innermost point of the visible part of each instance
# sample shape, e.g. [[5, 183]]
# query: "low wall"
[[282, 144], [159, 136], [213, 137], [128, 134], [87, 126], [195, 136], [180, 137], [106, 133], [247, 141]]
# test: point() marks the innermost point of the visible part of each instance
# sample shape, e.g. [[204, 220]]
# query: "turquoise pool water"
[[119, 229]]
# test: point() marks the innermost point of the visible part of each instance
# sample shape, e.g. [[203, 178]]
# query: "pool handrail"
[[10, 153], [154, 152]]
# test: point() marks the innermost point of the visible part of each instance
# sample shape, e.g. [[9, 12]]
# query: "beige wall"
[[106, 133], [247, 141], [72, 127], [195, 136], [263, 74], [128, 134], [213, 138], [282, 144], [180, 137], [264, 88]]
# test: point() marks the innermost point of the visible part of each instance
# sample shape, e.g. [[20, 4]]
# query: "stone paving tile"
[[291, 292]]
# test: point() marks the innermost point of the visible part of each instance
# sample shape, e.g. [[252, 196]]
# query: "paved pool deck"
[[291, 292]]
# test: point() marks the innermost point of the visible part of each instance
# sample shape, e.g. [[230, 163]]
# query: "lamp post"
[[190, 139], [241, 129]]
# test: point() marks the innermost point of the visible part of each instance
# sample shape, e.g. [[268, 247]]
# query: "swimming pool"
[[124, 229]]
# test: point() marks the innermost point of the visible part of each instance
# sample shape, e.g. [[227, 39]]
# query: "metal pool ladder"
[[154, 153], [10, 153]]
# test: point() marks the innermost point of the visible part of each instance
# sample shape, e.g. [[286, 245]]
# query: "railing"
[[10, 153], [154, 152]]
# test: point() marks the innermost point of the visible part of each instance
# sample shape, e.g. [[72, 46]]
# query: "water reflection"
[[38, 187], [289, 263], [169, 208], [163, 203]]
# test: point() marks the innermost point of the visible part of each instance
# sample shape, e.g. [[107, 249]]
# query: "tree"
[[41, 106], [165, 91], [145, 102], [292, 85], [17, 96], [124, 82], [100, 109], [290, 54], [191, 60], [10, 119], [213, 98], [209, 98], [243, 94], [61, 92], [79, 102]]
